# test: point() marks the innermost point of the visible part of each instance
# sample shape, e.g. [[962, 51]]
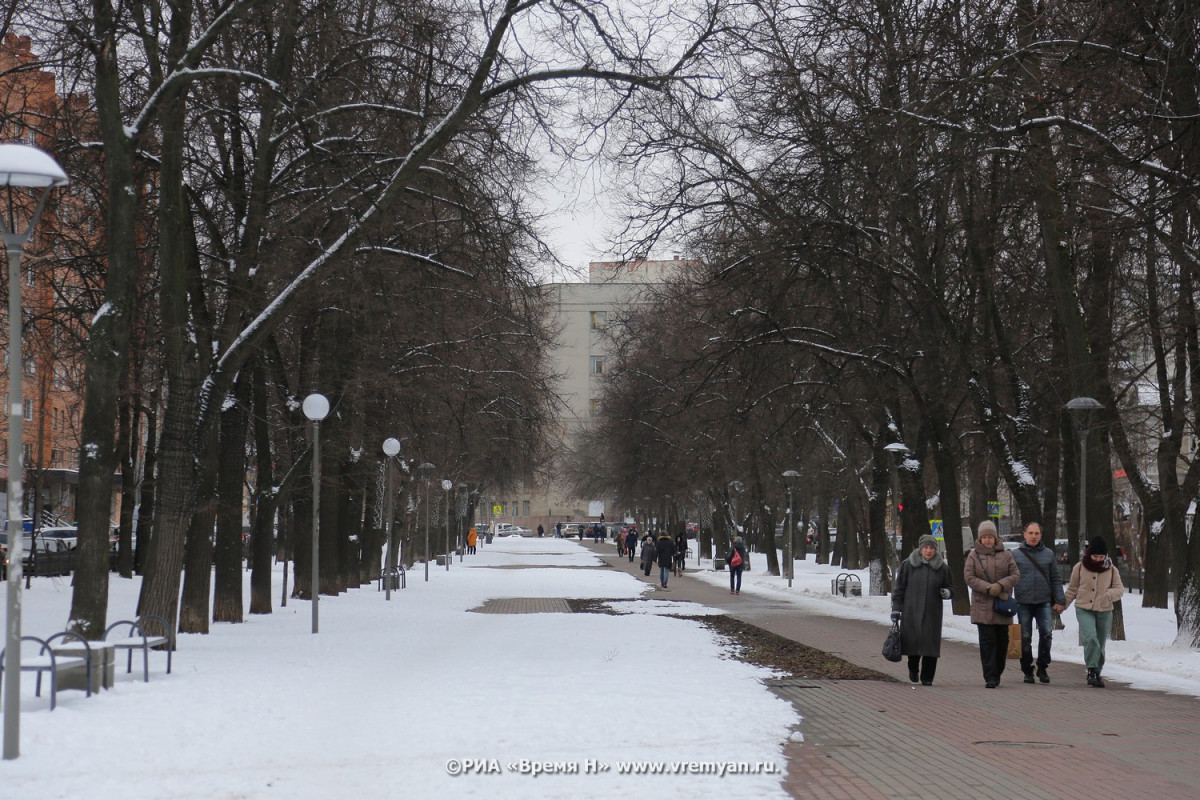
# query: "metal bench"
[[47, 660], [136, 638]]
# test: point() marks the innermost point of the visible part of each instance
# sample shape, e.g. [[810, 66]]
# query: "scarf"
[[916, 559], [1091, 566]]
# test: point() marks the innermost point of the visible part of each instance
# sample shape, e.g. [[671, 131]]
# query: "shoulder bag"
[[1005, 607]]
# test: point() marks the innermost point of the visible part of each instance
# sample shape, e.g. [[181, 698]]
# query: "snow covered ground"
[[415, 698]]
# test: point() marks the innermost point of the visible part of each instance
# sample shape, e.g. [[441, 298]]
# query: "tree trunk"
[[198, 554], [266, 499], [108, 343], [228, 553], [145, 520]]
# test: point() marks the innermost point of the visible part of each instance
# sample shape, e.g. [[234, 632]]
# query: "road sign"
[[994, 508], [497, 510]]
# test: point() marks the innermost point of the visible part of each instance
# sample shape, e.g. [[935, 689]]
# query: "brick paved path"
[[956, 739]]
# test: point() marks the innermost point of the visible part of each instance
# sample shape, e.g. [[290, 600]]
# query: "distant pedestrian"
[[737, 552], [648, 553], [680, 552], [472, 540], [631, 544], [1095, 586], [1039, 593], [558, 529], [991, 573], [665, 553], [541, 531], [922, 585]]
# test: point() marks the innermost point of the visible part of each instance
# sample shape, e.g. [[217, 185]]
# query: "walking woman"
[[1095, 586], [648, 553], [991, 573], [738, 559], [920, 588]]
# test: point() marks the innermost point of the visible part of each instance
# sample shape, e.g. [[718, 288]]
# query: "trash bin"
[[489, 539], [718, 563]]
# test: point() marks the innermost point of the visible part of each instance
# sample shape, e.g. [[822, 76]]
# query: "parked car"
[[68, 533], [41, 555], [509, 529]]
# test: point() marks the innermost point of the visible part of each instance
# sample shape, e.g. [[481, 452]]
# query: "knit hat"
[[986, 527], [1097, 547], [927, 540]]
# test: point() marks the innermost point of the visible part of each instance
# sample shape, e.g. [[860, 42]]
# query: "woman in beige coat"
[[1095, 586], [991, 572]]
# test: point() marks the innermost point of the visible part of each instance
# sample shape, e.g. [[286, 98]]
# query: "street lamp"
[[391, 449], [447, 485], [27, 174], [426, 476], [1084, 410], [789, 478], [898, 450], [316, 408]]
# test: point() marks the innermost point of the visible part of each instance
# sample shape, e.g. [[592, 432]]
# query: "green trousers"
[[1094, 627]]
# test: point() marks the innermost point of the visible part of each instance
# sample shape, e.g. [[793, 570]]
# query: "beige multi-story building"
[[582, 311]]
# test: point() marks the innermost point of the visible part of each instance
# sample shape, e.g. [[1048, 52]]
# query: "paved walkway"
[[956, 739]]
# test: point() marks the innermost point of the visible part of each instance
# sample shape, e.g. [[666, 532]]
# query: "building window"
[[597, 367], [526, 507], [56, 459], [29, 409], [30, 276], [599, 319], [30, 365], [27, 454], [60, 376], [594, 408]]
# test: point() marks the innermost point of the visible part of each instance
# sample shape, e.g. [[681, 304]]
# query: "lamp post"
[[898, 450], [316, 408], [391, 449], [28, 174], [1083, 409], [789, 478], [426, 476], [447, 485]]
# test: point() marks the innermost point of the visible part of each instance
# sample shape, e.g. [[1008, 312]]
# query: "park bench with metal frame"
[[47, 660], [137, 638]]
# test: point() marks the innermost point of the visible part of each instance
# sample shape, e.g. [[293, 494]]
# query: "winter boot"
[[1029, 676], [1093, 678], [1097, 682], [913, 676], [1041, 676]]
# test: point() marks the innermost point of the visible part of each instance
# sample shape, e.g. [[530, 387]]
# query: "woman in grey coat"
[[920, 588], [648, 554]]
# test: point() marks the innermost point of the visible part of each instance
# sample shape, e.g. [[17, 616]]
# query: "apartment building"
[[582, 313], [51, 349]]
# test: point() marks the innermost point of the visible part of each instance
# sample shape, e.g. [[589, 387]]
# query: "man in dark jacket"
[[1040, 589], [665, 553]]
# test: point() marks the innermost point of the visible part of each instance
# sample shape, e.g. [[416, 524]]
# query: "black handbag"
[[891, 645], [1006, 606]]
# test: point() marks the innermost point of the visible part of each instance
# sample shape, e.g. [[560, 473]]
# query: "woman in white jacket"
[[1095, 586]]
